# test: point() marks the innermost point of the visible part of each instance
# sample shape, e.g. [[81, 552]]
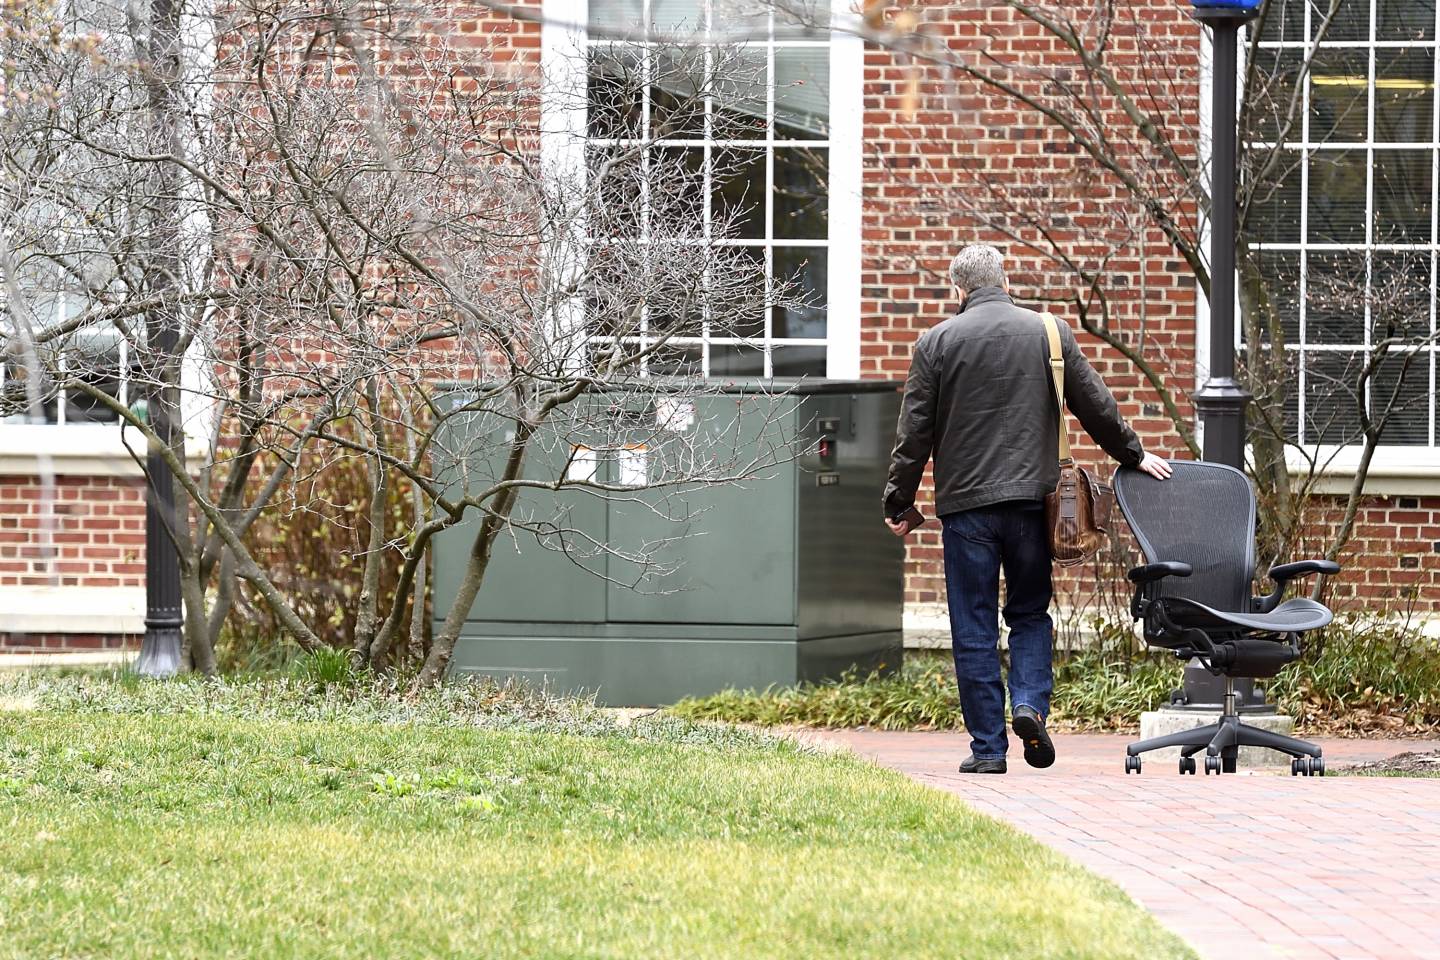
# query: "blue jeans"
[[978, 544]]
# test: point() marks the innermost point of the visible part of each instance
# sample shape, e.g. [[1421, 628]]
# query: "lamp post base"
[[1221, 403], [160, 649], [164, 609]]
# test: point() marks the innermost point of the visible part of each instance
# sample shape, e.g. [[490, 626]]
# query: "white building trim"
[[847, 153], [77, 450], [100, 610], [1394, 471], [93, 450]]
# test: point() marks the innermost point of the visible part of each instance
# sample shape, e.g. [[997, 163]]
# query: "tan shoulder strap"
[[1057, 373]]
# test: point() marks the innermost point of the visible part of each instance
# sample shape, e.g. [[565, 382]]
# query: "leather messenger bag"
[[1078, 512]]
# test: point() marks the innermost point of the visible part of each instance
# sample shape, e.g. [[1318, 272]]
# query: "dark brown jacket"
[[980, 399]]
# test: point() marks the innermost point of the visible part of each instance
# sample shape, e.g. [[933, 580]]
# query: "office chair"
[[1193, 595]]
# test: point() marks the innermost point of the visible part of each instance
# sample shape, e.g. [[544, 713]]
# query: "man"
[[981, 399]]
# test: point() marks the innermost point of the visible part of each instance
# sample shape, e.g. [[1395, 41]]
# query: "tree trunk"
[[379, 494], [200, 651], [443, 645]]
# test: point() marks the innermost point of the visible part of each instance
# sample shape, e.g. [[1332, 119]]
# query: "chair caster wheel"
[[1212, 765], [1307, 767], [1132, 764], [1187, 765], [1317, 767], [1228, 764]]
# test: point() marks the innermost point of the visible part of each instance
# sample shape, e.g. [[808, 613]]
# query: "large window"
[[758, 152], [1348, 237], [31, 387]]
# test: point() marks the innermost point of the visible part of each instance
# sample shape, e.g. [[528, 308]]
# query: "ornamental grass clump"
[[919, 696], [1366, 673]]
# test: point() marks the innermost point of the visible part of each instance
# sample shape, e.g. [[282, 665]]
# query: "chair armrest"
[[1286, 572], [1151, 572]]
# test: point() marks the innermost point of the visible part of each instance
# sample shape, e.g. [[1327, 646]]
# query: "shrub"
[[1098, 692], [921, 695], [247, 647], [314, 538], [1365, 674], [1093, 690]]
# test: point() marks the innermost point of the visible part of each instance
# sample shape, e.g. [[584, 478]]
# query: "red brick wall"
[[67, 642], [1393, 558], [89, 532]]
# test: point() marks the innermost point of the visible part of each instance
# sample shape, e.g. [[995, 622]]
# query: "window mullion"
[[123, 380], [1307, 153], [1369, 203], [64, 359], [770, 279], [646, 141], [707, 160], [1434, 226]]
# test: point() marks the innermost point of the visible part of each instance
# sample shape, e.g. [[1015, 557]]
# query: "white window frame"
[[562, 152], [1396, 469], [72, 449]]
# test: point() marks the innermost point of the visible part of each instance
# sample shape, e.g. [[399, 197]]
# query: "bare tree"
[[379, 268]]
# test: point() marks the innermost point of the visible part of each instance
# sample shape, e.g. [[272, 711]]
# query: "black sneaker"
[[1029, 726], [972, 765]]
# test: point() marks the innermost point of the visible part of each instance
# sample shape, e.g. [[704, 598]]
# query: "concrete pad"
[[1158, 723]]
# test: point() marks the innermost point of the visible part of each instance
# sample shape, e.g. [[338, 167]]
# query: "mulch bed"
[[1428, 763]]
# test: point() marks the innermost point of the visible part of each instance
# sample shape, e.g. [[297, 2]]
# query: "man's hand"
[[1155, 466], [903, 523]]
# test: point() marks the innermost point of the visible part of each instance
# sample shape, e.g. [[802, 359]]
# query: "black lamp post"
[[1221, 401], [160, 649], [164, 614]]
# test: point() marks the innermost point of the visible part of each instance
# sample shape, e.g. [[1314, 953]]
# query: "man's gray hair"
[[976, 266]]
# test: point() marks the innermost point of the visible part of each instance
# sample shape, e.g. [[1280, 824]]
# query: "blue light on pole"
[[1245, 5]]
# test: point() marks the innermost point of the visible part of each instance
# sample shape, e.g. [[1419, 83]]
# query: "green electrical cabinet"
[[787, 576]]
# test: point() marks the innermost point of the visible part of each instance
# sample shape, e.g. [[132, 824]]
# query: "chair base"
[[1221, 742]]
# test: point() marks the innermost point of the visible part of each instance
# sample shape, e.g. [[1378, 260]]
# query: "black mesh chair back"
[[1204, 515]]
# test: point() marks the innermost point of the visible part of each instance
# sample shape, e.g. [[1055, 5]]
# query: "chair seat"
[[1293, 616]]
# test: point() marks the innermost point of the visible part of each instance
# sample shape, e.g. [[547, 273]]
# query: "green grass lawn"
[[279, 821]]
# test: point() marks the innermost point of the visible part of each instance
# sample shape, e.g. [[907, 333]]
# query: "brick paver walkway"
[[1247, 866]]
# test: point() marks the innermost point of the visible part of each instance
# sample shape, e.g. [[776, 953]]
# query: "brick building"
[[899, 158]]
